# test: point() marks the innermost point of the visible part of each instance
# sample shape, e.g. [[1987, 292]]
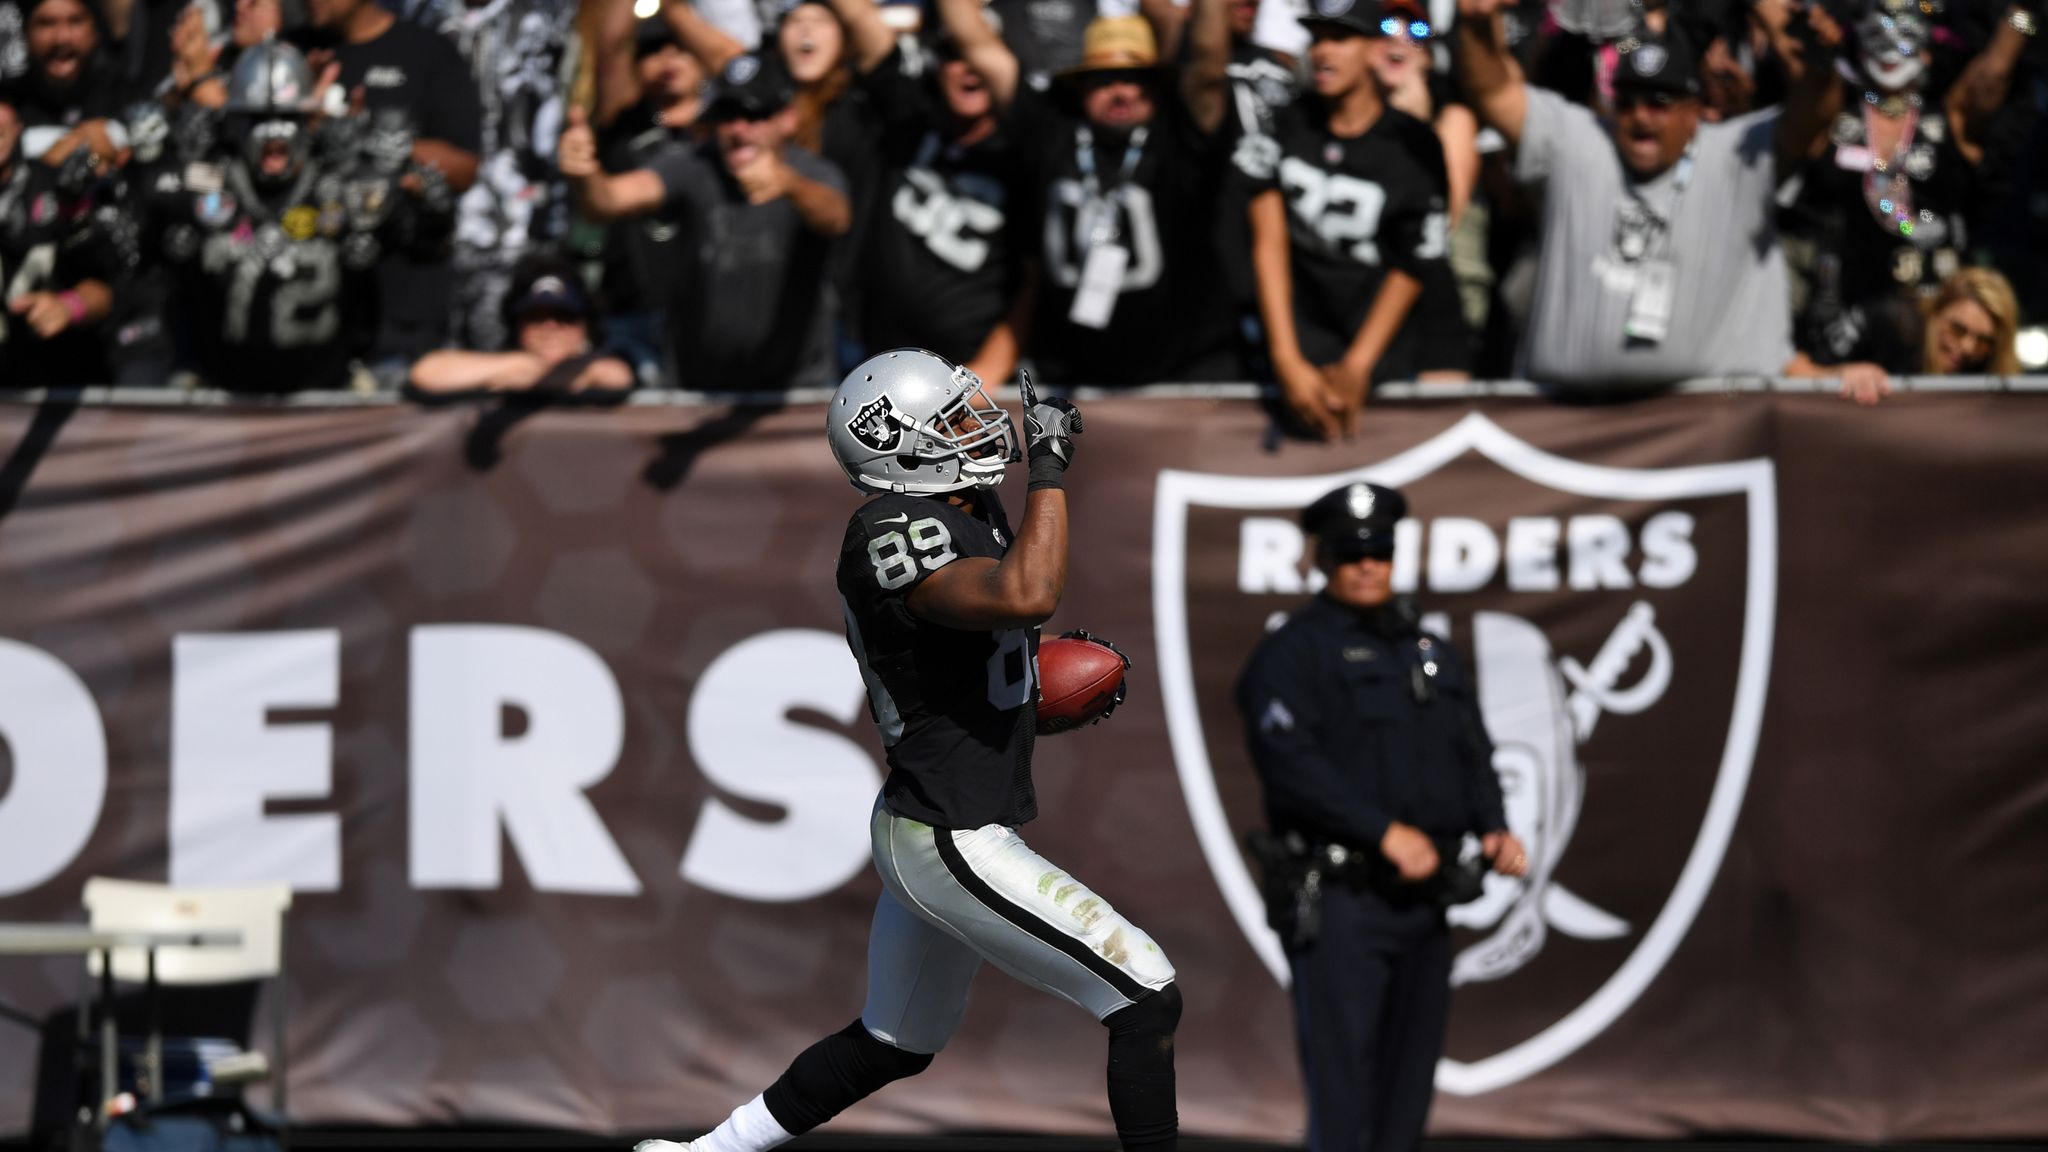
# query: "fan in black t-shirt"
[[1128, 290], [401, 68], [938, 267], [1349, 235]]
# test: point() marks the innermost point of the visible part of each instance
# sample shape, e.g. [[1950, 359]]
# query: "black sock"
[[1141, 1095], [834, 1074]]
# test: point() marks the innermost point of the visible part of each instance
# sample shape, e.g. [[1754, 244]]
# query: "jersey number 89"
[[896, 558]]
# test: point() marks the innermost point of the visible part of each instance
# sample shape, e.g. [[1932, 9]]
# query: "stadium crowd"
[[1604, 196]]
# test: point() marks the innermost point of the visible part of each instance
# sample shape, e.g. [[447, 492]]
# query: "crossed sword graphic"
[[1545, 904]]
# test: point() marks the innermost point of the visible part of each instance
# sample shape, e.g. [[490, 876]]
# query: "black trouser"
[[1370, 999]]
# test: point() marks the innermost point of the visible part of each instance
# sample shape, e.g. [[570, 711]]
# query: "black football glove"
[[1050, 426], [1121, 685]]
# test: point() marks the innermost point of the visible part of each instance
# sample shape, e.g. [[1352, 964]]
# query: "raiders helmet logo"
[[1333, 8], [1648, 59], [875, 425], [742, 69]]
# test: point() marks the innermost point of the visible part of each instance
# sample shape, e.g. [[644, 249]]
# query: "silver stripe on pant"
[[1028, 917]]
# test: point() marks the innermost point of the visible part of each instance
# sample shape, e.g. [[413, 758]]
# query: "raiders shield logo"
[[1619, 624], [875, 425]]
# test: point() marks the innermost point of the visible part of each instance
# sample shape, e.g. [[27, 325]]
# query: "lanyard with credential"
[[1667, 221], [1101, 226]]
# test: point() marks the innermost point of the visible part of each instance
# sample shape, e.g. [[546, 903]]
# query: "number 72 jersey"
[[957, 709]]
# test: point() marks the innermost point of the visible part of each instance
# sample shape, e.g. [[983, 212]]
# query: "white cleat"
[[662, 1146]]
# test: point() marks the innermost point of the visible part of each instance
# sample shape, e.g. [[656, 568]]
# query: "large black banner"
[[550, 723]]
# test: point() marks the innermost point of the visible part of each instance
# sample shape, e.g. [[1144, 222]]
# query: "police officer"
[[1375, 766]]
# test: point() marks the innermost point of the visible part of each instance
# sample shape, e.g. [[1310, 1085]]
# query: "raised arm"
[[618, 82], [872, 38], [1205, 77], [701, 38], [1022, 589], [600, 195], [1979, 92], [1813, 95], [1169, 21], [1491, 76], [983, 50]]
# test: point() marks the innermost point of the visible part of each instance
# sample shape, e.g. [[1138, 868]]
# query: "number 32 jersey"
[[957, 709]]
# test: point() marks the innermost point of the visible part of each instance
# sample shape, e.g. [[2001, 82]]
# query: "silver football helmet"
[[912, 421], [270, 97], [271, 79]]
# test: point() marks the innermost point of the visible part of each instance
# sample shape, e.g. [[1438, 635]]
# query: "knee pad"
[[1156, 1015]]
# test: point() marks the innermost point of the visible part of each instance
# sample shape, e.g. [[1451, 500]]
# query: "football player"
[[943, 606], [274, 224]]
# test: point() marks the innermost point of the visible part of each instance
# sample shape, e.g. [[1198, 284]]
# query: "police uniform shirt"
[[759, 273], [1342, 745], [275, 291], [1170, 322], [47, 244], [940, 270], [1357, 208], [956, 708]]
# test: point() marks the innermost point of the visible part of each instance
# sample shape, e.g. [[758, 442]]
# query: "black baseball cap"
[[1355, 521], [554, 294], [1360, 16], [752, 86], [1664, 63]]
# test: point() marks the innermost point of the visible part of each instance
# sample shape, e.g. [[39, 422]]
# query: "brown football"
[[1079, 681]]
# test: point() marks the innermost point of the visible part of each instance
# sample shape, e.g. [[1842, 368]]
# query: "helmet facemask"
[[275, 148]]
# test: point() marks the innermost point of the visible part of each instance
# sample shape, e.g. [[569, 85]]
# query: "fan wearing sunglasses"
[[1658, 257], [1349, 230]]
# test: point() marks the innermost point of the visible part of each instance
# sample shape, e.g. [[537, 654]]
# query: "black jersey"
[[1357, 207], [1887, 230], [48, 243], [1160, 184], [276, 290], [957, 709], [940, 271]]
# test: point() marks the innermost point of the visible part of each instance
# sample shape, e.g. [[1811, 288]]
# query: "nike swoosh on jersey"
[[902, 519]]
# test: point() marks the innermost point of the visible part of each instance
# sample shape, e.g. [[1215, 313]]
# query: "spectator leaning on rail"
[[750, 311], [1889, 199], [1129, 274], [1349, 231], [1659, 256], [553, 327]]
